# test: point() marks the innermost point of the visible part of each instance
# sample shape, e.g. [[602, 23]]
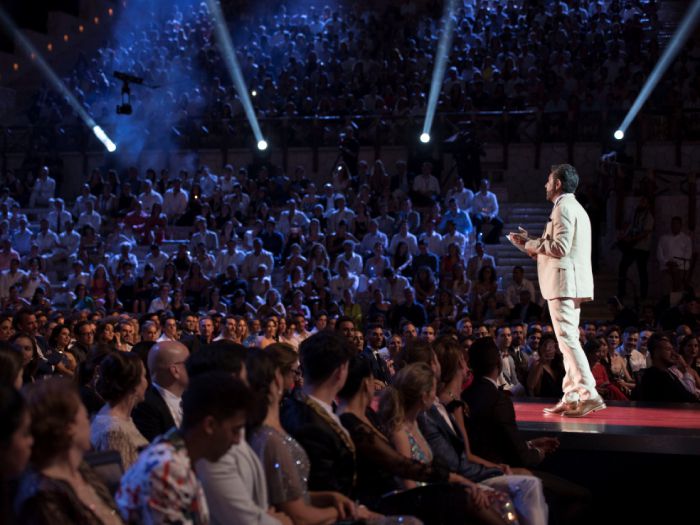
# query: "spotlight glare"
[[424, 138], [262, 145], [684, 30], [254, 93], [619, 134], [104, 139]]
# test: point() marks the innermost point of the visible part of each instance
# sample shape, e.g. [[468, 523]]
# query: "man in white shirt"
[[58, 217], [22, 238], [372, 236], [208, 182], [404, 235], [432, 239], [44, 189], [175, 201], [149, 196], [340, 213], [169, 329], [425, 186], [478, 261], [484, 210], [207, 237], [90, 216], [46, 240], [292, 218], [231, 255], [68, 242], [517, 285], [123, 255], [462, 195], [674, 252], [453, 236], [155, 258], [162, 302], [350, 258], [258, 256], [84, 197], [227, 180], [343, 281]]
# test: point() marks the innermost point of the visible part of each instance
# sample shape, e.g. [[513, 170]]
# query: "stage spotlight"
[[441, 58], [425, 138], [674, 46], [28, 48], [619, 134], [104, 139], [228, 54]]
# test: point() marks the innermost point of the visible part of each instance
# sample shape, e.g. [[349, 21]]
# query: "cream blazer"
[[564, 252]]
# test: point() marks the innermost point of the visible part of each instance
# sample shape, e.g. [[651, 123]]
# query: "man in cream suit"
[[563, 256]]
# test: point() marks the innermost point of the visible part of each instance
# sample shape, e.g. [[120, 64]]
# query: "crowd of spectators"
[[361, 58]]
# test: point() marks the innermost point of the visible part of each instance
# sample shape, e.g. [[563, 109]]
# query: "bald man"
[[161, 409]]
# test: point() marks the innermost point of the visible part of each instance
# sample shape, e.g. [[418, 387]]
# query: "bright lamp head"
[[262, 145], [619, 134], [424, 138]]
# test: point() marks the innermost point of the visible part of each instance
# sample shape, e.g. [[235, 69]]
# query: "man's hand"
[[280, 516]]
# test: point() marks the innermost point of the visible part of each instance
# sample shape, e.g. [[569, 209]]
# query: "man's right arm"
[[227, 494]]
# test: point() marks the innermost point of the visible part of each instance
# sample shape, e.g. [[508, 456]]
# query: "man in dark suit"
[[375, 339], [161, 408], [309, 415], [658, 383], [492, 428]]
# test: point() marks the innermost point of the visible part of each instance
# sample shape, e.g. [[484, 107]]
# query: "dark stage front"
[[640, 461]]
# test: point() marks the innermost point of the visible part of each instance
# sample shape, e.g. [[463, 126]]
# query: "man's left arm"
[[558, 244]]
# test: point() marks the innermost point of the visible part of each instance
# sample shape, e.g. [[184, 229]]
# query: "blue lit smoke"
[[143, 40], [672, 49]]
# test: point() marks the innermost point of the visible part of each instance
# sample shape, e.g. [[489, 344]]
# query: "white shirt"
[[485, 204], [434, 241], [464, 198], [410, 240], [47, 242], [158, 262], [339, 284], [354, 263], [370, 239], [53, 220], [225, 258], [149, 199], [94, 219], [44, 189], [328, 408], [158, 304], [514, 289], [172, 401], [175, 204], [426, 184], [672, 246]]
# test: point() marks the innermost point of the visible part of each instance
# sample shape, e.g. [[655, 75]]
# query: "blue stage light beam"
[[672, 49], [228, 52], [32, 53], [441, 57]]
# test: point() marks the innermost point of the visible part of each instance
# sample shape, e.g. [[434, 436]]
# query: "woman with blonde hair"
[[413, 392]]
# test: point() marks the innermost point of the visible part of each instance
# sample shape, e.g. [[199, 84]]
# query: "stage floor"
[[628, 427]]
